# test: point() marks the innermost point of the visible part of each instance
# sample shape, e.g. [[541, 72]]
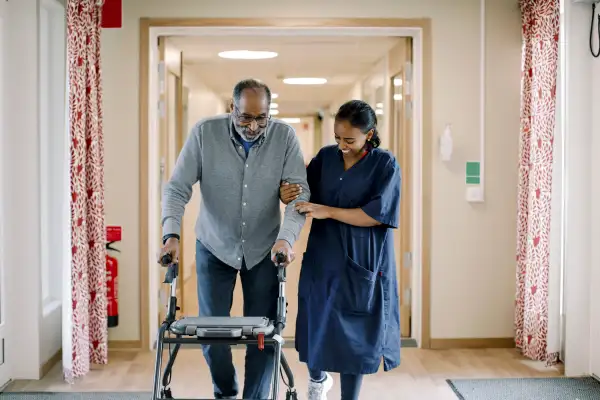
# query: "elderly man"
[[240, 160]]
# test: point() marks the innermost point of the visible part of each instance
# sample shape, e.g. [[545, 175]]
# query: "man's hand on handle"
[[171, 247], [281, 246]]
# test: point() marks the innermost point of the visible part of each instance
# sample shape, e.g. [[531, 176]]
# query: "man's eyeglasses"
[[245, 119]]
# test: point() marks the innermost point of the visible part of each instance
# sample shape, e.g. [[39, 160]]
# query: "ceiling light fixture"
[[291, 120], [274, 95], [305, 81], [397, 82], [247, 55], [273, 112], [398, 96], [274, 105], [379, 105], [379, 111]]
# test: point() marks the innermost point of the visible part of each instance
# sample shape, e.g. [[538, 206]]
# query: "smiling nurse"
[[348, 316]]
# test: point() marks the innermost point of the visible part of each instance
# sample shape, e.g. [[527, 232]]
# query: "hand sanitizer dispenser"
[[446, 144]]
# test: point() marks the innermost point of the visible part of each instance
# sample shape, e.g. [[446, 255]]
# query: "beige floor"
[[421, 376]]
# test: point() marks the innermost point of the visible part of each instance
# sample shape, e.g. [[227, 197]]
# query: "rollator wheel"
[[166, 394]]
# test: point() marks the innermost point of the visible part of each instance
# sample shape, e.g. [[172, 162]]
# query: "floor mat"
[[75, 396], [526, 389]]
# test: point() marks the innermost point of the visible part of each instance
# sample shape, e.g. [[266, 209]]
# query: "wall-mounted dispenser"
[[446, 144]]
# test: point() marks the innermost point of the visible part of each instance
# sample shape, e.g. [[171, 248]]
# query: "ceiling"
[[341, 60]]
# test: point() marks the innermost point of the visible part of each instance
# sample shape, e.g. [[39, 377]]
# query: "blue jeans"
[[350, 384], [216, 281]]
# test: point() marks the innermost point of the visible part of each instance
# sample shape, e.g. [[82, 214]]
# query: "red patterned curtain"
[[540, 20], [89, 332]]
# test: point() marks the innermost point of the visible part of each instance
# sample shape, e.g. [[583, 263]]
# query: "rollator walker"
[[258, 331]]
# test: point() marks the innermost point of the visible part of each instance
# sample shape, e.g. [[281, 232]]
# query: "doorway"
[[411, 188]]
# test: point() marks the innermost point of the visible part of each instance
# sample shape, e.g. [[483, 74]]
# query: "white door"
[[4, 367]]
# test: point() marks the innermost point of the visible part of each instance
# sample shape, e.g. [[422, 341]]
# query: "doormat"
[[76, 396], [586, 388]]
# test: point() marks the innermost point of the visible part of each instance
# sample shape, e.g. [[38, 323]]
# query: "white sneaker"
[[318, 390]]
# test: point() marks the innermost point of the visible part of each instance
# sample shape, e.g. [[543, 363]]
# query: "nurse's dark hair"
[[252, 84], [360, 115]]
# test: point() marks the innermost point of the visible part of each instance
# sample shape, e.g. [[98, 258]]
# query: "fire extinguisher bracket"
[[109, 247]]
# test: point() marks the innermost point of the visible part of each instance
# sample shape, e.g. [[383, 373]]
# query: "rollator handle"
[[280, 259], [166, 260], [172, 268]]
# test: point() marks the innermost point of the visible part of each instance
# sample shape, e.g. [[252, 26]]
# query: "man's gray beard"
[[246, 138]]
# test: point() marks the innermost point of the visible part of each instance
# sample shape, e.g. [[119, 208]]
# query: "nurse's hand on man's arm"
[[289, 193], [350, 216], [317, 211]]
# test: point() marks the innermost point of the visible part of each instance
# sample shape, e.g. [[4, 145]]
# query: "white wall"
[[578, 141], [459, 308], [54, 172], [22, 195], [305, 130], [595, 224], [595, 196], [355, 93], [34, 325]]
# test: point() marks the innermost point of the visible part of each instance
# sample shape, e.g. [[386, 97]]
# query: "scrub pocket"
[[356, 288]]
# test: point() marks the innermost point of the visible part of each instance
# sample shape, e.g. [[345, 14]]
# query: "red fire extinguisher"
[[112, 286]]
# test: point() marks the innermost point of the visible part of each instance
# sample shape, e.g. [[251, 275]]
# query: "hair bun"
[[375, 141]]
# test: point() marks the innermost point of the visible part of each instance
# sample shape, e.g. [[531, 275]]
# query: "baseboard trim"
[[124, 344], [472, 343], [52, 361]]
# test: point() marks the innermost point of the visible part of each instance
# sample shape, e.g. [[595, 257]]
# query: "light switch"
[[474, 194]]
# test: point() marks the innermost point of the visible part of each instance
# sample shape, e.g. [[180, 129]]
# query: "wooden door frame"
[[175, 73], [423, 25], [401, 147]]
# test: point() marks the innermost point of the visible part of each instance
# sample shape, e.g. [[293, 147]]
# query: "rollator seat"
[[222, 327], [232, 331]]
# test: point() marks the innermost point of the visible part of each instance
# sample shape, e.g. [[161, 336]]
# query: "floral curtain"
[[88, 320], [536, 325]]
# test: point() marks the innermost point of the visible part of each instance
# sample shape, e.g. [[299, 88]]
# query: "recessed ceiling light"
[[291, 120], [379, 105], [273, 112], [398, 96], [274, 105], [379, 111], [247, 55], [397, 82], [305, 81], [274, 95]]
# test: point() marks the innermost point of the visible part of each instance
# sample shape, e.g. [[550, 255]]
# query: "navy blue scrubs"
[[348, 312]]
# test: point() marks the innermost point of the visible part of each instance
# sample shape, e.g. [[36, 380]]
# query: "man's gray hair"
[[253, 84]]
